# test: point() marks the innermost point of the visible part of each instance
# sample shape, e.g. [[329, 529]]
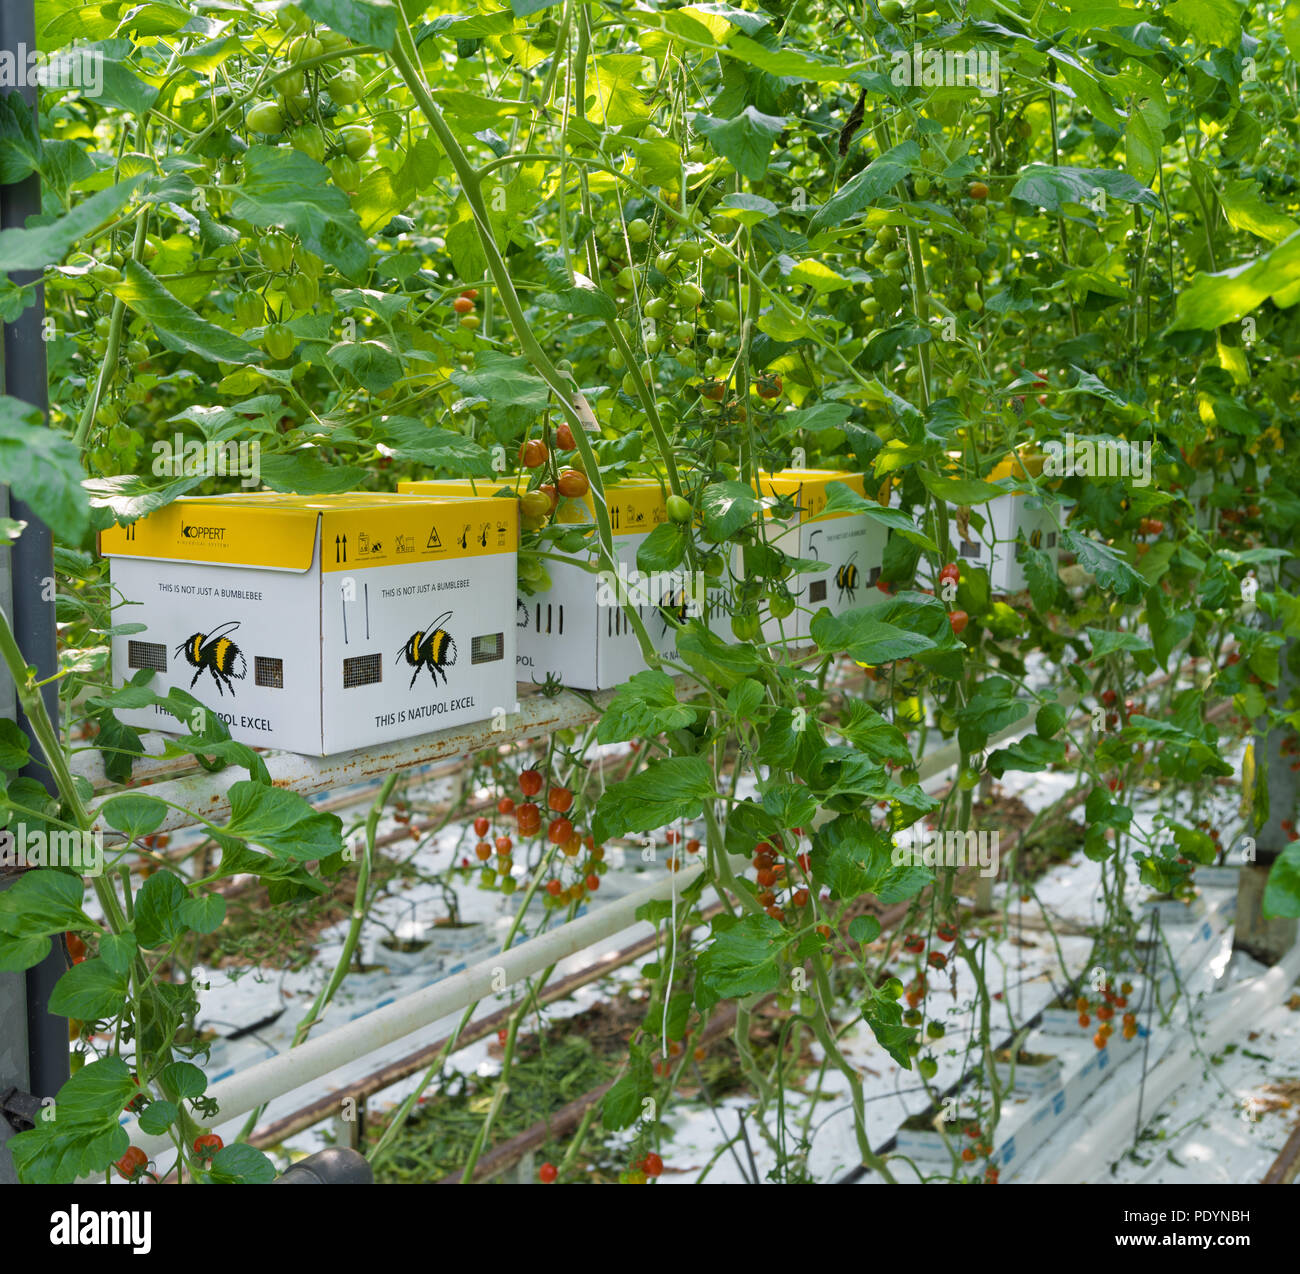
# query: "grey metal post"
[[32, 562]]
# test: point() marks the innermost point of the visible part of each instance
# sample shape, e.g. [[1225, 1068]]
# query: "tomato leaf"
[[134, 815], [282, 822], [741, 960], [92, 991], [178, 326], [43, 467], [876, 179], [643, 707], [665, 791], [745, 141], [40, 903], [285, 188], [365, 21]]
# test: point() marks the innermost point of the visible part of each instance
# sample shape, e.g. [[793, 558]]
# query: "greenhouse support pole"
[[1267, 940], [32, 555]]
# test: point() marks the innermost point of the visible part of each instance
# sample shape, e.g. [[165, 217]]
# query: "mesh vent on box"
[[361, 670], [487, 648], [970, 548], [817, 590], [268, 672], [146, 654]]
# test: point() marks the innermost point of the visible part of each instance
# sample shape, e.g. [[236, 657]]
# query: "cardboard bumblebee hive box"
[[577, 631], [851, 546], [318, 624], [1012, 523]]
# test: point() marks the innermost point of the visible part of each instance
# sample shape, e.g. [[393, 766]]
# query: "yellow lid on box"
[[1022, 464], [636, 505], [810, 488], [278, 532]]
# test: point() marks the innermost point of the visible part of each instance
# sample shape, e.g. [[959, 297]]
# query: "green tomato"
[[968, 778], [304, 48], [276, 251], [684, 333], [679, 508], [291, 86], [346, 173], [105, 272], [615, 358], [279, 342], [974, 301], [922, 187], [928, 1067], [725, 311], [297, 105], [301, 291], [689, 295], [508, 884], [720, 258], [310, 141], [653, 345], [656, 307], [746, 625], [638, 229], [689, 251], [265, 118], [346, 87], [293, 20], [250, 310], [869, 305], [356, 139], [665, 261], [723, 452], [629, 385], [780, 603], [626, 278], [488, 877]]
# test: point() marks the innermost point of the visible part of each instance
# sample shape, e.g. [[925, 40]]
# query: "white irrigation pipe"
[[320, 1055], [1093, 1152]]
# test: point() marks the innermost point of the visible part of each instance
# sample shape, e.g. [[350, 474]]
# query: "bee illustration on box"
[[433, 649], [218, 654], [521, 609], [846, 579]]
